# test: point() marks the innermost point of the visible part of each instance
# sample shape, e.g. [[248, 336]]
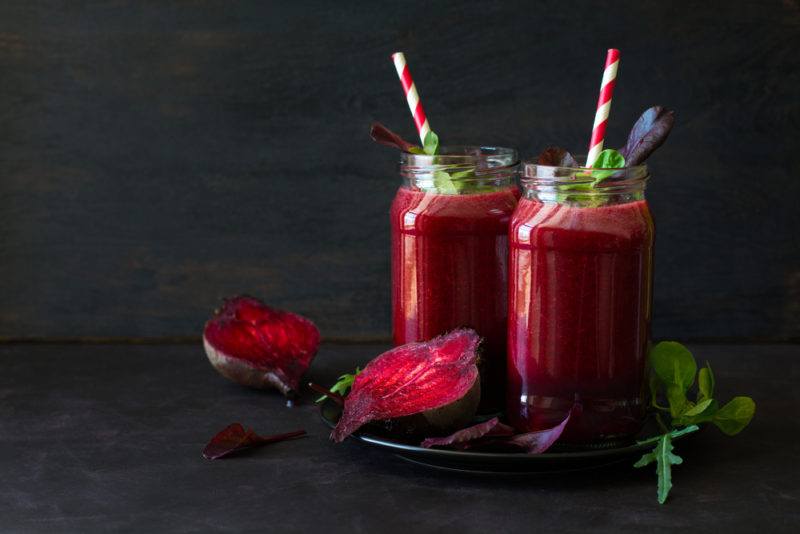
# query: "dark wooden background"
[[156, 156]]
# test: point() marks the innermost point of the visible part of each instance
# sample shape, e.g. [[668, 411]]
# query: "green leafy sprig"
[[607, 159], [585, 193], [674, 373], [343, 385], [450, 183], [665, 459]]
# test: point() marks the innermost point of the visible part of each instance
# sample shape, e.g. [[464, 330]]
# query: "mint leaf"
[[443, 183], [431, 143], [665, 459], [673, 364], [734, 416], [607, 159], [582, 193], [452, 183], [705, 383], [469, 173], [343, 385]]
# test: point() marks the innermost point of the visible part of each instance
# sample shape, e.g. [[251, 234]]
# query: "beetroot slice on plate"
[[438, 379], [494, 435], [464, 438], [541, 440], [258, 346]]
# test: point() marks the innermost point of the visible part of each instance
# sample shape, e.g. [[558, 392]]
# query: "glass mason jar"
[[580, 299], [449, 223]]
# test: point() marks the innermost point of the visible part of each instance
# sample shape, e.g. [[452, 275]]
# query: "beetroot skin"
[[258, 346], [437, 380]]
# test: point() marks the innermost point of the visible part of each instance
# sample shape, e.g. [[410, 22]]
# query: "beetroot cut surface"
[[258, 346], [411, 379]]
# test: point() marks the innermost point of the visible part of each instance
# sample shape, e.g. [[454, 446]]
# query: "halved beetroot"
[[430, 387], [258, 346]]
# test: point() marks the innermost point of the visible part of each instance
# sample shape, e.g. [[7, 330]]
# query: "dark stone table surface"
[[108, 438]]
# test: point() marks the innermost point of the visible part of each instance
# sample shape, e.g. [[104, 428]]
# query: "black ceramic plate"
[[556, 460]]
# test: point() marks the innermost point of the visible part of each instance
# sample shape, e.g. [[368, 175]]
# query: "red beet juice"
[[580, 284], [449, 256]]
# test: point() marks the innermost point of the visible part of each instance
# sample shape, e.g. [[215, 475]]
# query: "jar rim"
[[537, 173], [487, 157]]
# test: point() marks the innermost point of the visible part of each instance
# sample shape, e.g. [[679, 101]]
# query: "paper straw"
[[412, 96], [603, 106]]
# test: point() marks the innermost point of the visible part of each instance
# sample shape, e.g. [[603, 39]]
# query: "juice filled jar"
[[580, 300], [449, 226]]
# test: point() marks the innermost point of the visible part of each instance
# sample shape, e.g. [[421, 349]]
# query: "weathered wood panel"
[[157, 156]]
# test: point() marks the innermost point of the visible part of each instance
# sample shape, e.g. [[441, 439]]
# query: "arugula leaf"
[[734, 416], [343, 385], [673, 364], [673, 434], [665, 459], [431, 143], [647, 134], [705, 383]]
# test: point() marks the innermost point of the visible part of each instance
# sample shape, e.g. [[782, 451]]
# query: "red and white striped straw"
[[412, 96], [603, 105]]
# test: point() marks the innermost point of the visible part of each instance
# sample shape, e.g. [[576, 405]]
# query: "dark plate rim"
[[405, 448]]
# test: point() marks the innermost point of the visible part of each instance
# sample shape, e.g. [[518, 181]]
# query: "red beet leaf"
[[556, 157], [463, 438], [234, 438], [647, 134], [383, 135], [411, 379], [541, 440]]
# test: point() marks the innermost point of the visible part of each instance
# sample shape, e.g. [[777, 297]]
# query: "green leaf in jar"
[[431, 143]]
